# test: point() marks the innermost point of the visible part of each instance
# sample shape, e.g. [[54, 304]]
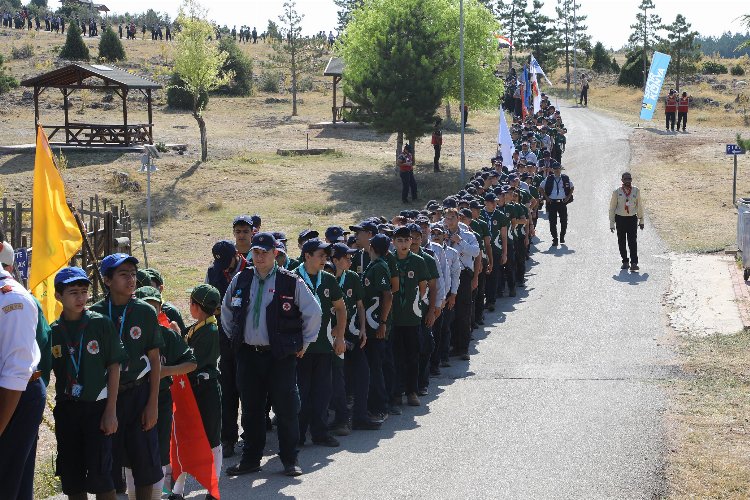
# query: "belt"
[[257, 348], [130, 385], [35, 376], [556, 201]]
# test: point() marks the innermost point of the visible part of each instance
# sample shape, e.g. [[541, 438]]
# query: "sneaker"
[[292, 470], [413, 400], [624, 265], [423, 391], [366, 425], [554, 243], [562, 239], [243, 468], [342, 429], [378, 417], [634, 267], [328, 441]]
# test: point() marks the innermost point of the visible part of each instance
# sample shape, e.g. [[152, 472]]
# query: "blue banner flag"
[[656, 76]]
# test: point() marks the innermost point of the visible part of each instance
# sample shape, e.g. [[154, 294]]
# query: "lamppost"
[[461, 112]]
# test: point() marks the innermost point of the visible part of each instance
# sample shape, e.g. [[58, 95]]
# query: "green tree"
[[74, 48], [645, 33], [572, 30], [198, 62], [600, 59], [299, 54], [110, 46], [238, 64], [396, 57], [39, 3], [512, 15], [7, 82], [273, 31], [681, 45], [344, 14], [542, 37], [746, 21], [631, 73]]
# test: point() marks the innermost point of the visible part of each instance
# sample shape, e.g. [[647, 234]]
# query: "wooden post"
[[17, 225], [125, 115], [67, 122], [109, 234], [36, 110], [333, 108], [150, 118]]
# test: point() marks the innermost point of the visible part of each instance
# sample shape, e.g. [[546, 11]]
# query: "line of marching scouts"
[[334, 336]]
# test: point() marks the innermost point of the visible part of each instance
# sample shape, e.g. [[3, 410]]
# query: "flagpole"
[[462, 112]]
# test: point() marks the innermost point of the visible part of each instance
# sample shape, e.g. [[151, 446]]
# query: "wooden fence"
[[107, 226]]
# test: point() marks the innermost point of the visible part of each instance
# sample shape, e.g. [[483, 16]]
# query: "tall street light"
[[461, 113]]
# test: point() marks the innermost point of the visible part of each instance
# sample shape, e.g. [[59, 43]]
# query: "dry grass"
[[709, 418]]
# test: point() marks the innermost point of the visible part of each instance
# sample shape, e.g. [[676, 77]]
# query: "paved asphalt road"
[[561, 398]]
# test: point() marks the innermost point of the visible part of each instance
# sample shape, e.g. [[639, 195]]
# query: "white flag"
[[505, 142], [537, 69]]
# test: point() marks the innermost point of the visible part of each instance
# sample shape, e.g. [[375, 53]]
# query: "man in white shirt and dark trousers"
[[558, 190], [626, 215]]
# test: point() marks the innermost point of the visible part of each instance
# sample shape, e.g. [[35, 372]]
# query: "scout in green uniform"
[[363, 232], [407, 317], [176, 359], [282, 259], [155, 280], [314, 370], [378, 300], [203, 339], [498, 224], [86, 360], [136, 441]]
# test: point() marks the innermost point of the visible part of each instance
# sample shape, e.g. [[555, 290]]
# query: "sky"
[[608, 20]]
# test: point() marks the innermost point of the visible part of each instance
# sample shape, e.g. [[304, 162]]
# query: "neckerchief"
[[259, 296], [627, 192], [211, 320], [308, 281]]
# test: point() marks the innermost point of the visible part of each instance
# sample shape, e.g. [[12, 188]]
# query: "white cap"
[[7, 257]]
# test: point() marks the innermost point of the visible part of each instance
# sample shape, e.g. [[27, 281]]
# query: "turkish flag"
[[163, 319], [189, 449]]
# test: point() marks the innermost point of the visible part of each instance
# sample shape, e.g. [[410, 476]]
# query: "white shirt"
[[558, 191], [19, 353], [467, 248], [528, 156], [452, 270], [439, 256]]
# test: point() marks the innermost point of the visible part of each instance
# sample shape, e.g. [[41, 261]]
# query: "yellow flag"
[[55, 238]]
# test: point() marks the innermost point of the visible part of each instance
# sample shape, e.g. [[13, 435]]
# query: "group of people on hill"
[[23, 19], [157, 33]]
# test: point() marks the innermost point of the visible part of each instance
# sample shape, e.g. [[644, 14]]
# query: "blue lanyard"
[[342, 279], [124, 312], [306, 277], [76, 363]]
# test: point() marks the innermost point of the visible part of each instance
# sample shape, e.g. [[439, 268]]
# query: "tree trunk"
[[294, 81], [567, 60], [448, 116], [512, 40], [204, 135], [679, 47], [399, 147]]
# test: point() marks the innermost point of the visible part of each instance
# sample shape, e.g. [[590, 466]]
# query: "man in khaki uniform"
[[626, 215]]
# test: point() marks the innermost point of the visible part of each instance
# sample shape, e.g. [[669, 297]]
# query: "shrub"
[[179, 98], [24, 52], [7, 82], [632, 71], [714, 68], [738, 70], [237, 61], [614, 66], [110, 46], [269, 81], [74, 48], [305, 84]]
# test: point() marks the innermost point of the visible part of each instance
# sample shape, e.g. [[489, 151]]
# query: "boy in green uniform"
[[176, 359], [155, 280], [314, 369], [86, 361], [378, 300], [407, 317], [498, 224], [203, 338], [136, 440]]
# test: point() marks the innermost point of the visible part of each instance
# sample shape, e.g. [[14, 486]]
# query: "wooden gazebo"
[[335, 69], [80, 76]]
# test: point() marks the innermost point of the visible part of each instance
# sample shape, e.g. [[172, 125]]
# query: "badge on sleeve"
[[327, 293], [410, 274], [286, 306]]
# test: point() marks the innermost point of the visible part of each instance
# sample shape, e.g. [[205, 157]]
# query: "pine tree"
[[110, 46], [632, 71], [512, 15], [645, 32], [572, 30], [238, 64], [344, 14], [681, 45], [600, 59], [74, 48], [542, 38]]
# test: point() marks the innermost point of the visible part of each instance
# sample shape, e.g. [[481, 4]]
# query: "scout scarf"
[[308, 281], [627, 192], [259, 296], [211, 320]]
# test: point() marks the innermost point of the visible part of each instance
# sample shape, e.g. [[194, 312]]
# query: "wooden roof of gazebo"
[[80, 76]]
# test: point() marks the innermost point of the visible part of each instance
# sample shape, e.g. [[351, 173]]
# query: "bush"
[[631, 73], [24, 52], [269, 81], [74, 48], [305, 84], [179, 98], [237, 61], [600, 60], [614, 66], [7, 82], [110, 46], [738, 70], [714, 68]]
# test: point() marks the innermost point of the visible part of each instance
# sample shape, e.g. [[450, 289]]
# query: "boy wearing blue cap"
[[86, 357], [135, 444]]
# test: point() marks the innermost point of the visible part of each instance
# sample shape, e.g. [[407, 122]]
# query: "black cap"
[[466, 213], [223, 252], [380, 243], [339, 250], [314, 244], [264, 241], [307, 234], [402, 232]]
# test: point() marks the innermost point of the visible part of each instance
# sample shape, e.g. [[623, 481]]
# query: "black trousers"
[[461, 330], [627, 232], [557, 208], [436, 160], [479, 295], [682, 118], [315, 382], [406, 358], [230, 394], [520, 250], [408, 182], [584, 96], [669, 115]]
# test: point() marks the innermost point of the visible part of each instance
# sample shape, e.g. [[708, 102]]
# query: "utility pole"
[[512, 38], [575, 51], [461, 111]]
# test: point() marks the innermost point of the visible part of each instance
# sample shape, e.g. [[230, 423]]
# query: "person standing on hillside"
[[626, 215], [406, 171], [683, 103], [584, 99], [437, 143], [670, 109]]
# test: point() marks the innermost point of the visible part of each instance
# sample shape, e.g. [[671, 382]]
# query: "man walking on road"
[[558, 189], [626, 215]]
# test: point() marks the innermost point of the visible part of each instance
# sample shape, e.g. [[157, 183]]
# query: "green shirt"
[[361, 260], [175, 351], [203, 338], [376, 280], [351, 286], [139, 334], [173, 314], [94, 339], [43, 341], [327, 293], [412, 270], [496, 221], [481, 228]]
